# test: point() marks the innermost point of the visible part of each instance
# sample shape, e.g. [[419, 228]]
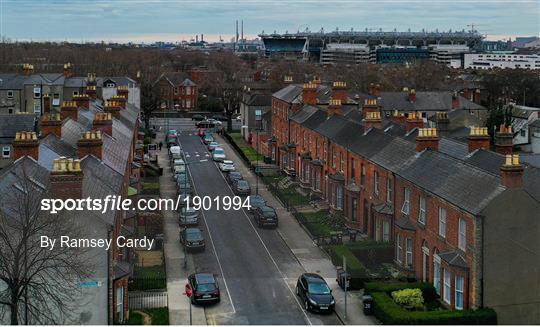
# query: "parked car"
[[197, 117], [315, 293], [175, 152], [185, 189], [219, 154], [192, 238], [182, 178], [256, 201], [227, 165], [241, 187], [212, 146], [178, 163], [265, 216], [233, 175], [205, 288], [188, 216], [208, 138], [219, 117]]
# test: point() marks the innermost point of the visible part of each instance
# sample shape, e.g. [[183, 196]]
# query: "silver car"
[[188, 217]]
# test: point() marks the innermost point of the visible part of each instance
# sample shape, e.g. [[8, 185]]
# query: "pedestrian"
[[160, 145]]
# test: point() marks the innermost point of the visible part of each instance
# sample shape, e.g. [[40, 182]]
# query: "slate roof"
[[175, 78], [12, 81], [71, 131], [405, 224], [288, 93], [463, 185], [425, 101], [10, 124], [453, 148], [47, 79], [260, 100], [453, 258]]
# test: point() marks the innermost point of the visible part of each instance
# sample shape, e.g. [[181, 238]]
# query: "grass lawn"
[[160, 316], [148, 278], [317, 223], [150, 185], [294, 198]]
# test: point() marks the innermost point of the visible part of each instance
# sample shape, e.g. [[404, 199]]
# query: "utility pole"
[[346, 283]]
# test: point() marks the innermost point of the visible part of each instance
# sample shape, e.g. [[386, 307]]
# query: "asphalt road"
[[256, 270]]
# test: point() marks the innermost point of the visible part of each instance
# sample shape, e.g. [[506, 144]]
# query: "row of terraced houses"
[[85, 145], [417, 169]]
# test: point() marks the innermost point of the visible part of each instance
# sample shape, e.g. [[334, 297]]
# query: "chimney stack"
[[398, 117], [372, 120], [504, 140], [334, 107], [370, 105], [427, 139], [90, 143], [377, 90], [414, 120], [339, 91], [51, 124], [28, 69], [123, 91], [113, 107], [69, 109], [309, 94], [443, 123], [82, 100], [316, 79], [66, 179], [512, 172], [288, 79], [68, 70], [477, 96], [26, 144], [46, 103], [91, 79], [455, 100], [120, 99], [103, 122], [412, 96], [478, 139], [91, 91]]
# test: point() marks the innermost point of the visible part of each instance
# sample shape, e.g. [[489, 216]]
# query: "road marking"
[[214, 248], [284, 278]]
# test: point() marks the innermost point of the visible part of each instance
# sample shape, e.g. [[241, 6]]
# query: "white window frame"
[[376, 183], [437, 273], [386, 231], [460, 285], [10, 94], [422, 210], [399, 248], [37, 92], [389, 190], [188, 103], [6, 148], [442, 222], [409, 252], [75, 93], [462, 234], [188, 90], [406, 203], [37, 107], [447, 286]]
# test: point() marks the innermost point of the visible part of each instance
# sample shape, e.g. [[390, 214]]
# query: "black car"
[[256, 201], [315, 293], [234, 175], [192, 239], [220, 117], [205, 288], [265, 216], [241, 187], [197, 117]]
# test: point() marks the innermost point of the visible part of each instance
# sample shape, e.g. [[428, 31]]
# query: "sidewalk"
[[174, 254], [310, 256]]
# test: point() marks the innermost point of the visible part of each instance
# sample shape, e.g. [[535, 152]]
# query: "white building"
[[447, 53], [501, 60], [346, 53]]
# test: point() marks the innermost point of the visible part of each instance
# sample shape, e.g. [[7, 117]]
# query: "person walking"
[[160, 145]]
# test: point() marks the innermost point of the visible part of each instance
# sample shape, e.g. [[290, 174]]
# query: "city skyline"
[[177, 20]]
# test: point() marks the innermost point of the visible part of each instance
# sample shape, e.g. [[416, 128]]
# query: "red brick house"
[[442, 202], [177, 91]]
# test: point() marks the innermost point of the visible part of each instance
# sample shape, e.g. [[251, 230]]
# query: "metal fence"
[[147, 300]]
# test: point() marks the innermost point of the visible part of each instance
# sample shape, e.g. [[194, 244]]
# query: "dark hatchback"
[[315, 293], [205, 288], [192, 239], [256, 201], [241, 187], [234, 175], [265, 216]]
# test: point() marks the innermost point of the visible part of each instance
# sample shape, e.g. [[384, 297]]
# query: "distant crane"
[[472, 25]]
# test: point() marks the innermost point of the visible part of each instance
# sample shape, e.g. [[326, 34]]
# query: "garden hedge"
[[359, 273], [388, 312], [428, 291]]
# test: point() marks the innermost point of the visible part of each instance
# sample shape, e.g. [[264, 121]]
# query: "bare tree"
[[40, 284]]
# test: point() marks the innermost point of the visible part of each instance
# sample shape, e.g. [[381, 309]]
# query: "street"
[[256, 270]]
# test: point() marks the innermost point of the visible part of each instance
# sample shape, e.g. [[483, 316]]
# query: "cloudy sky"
[[176, 20]]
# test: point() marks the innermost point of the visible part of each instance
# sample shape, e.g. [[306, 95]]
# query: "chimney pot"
[[504, 140], [412, 96], [309, 94], [512, 172], [90, 143], [26, 144], [66, 179], [414, 120], [427, 138]]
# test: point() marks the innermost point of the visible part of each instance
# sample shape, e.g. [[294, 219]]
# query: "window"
[[409, 249], [37, 92], [442, 222], [6, 152], [317, 180], [363, 174], [522, 132], [341, 162], [386, 231], [447, 295], [389, 190], [398, 248], [333, 158], [437, 273], [325, 149], [376, 183], [405, 207], [188, 103], [188, 90], [462, 234], [422, 211], [352, 168], [56, 99], [339, 203], [75, 93], [120, 304], [37, 107], [354, 208], [459, 292], [10, 94]]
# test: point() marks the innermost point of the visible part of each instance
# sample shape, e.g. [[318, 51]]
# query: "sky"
[[177, 20]]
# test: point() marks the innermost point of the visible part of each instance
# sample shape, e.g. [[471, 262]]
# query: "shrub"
[[359, 273], [428, 291], [409, 298], [388, 312]]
